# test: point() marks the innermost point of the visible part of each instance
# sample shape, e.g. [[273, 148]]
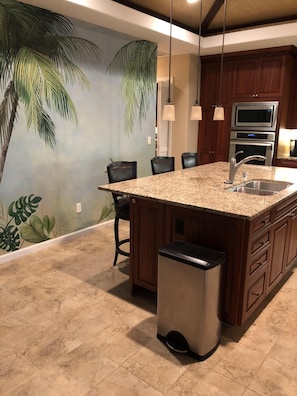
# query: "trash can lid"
[[191, 254]]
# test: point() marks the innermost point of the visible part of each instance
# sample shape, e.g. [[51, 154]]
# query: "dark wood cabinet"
[[279, 235], [258, 252], [292, 245], [257, 75], [259, 78], [147, 237], [286, 163], [213, 137], [292, 110]]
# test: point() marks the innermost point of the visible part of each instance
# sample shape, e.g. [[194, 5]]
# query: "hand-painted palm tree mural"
[[37, 53], [137, 62]]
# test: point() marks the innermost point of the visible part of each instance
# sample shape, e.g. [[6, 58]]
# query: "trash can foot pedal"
[[177, 342]]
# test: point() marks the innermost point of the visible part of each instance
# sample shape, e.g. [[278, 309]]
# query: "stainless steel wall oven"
[[252, 143], [253, 129]]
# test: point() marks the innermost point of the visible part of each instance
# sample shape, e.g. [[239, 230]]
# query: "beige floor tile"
[[69, 326], [241, 364], [260, 339], [87, 364], [14, 370], [274, 379], [205, 382], [285, 349], [157, 366], [119, 341], [50, 382], [122, 383]]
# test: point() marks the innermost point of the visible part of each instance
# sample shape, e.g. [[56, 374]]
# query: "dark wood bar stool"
[[189, 160], [120, 171], [162, 164]]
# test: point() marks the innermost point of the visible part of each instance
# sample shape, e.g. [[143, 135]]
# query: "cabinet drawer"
[[285, 208], [256, 292], [259, 243], [258, 263], [260, 223]]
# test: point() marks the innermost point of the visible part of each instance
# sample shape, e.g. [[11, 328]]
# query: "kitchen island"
[[257, 233]]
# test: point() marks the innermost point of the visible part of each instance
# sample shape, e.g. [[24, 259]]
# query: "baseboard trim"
[[55, 241]]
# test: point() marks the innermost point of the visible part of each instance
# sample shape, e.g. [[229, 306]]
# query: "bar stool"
[[120, 171], [162, 164], [189, 160]]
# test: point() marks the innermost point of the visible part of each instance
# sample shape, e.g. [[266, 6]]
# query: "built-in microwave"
[[254, 116]]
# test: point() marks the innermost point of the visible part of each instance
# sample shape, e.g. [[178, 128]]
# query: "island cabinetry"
[[147, 237], [259, 78], [285, 215], [259, 252], [292, 245], [218, 232], [257, 264]]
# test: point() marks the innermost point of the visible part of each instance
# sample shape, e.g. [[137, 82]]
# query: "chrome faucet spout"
[[234, 166]]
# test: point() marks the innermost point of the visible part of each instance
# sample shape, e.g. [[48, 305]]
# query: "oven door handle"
[[252, 143]]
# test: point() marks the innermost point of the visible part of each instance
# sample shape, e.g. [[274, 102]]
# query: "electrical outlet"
[[149, 140], [78, 207]]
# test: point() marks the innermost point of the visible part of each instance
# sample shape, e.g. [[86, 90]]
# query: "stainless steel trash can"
[[188, 298]]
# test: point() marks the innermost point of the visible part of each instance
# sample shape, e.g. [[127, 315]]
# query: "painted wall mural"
[[44, 174]]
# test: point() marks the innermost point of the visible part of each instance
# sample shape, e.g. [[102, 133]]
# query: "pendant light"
[[219, 109], [169, 108], [196, 112]]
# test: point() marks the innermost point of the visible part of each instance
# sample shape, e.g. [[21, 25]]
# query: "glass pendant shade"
[[219, 114], [168, 112], [196, 113]]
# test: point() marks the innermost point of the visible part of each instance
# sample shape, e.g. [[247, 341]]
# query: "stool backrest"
[[120, 171], [189, 160], [162, 164]]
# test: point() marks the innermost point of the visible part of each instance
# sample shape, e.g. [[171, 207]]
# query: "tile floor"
[[69, 326]]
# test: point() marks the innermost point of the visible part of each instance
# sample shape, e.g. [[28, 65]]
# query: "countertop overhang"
[[203, 188]]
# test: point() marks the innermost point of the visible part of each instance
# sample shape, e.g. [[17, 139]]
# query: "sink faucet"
[[235, 166]]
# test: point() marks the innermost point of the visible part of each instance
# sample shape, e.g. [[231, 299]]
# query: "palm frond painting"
[[137, 62], [38, 49]]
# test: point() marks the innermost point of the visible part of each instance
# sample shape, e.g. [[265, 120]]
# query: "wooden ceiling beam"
[[210, 15]]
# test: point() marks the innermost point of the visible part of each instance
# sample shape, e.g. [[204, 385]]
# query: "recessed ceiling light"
[[192, 1]]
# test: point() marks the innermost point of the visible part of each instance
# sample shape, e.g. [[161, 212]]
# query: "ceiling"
[[250, 24], [240, 14]]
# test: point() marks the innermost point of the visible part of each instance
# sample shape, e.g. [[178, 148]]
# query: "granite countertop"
[[203, 188]]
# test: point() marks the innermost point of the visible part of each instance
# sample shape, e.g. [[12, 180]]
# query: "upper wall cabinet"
[[292, 109], [259, 78], [210, 82]]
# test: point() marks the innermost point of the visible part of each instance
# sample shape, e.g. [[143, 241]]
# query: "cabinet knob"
[[256, 294]]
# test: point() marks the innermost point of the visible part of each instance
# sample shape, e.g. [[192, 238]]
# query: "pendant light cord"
[[198, 54], [222, 55], [170, 46]]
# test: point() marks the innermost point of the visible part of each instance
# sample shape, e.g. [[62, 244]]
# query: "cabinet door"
[[245, 79], [213, 137], [292, 246], [259, 78], [280, 232], [210, 83], [146, 239], [292, 111]]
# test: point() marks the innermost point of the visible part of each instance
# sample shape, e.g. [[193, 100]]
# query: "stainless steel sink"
[[261, 187]]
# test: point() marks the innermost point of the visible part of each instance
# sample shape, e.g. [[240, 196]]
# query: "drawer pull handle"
[[257, 294], [260, 263]]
